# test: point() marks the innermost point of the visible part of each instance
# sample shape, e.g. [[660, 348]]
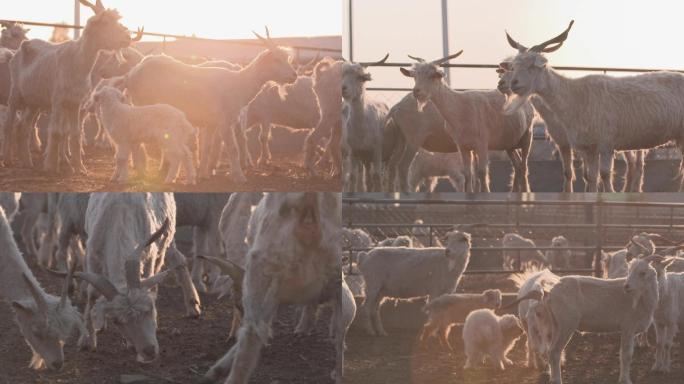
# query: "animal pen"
[[593, 224]]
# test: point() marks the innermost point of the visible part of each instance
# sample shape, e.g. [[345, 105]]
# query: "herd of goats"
[[259, 249], [435, 131], [641, 288], [138, 99]]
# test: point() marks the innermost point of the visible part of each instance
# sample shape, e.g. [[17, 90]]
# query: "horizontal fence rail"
[[604, 70], [172, 36], [593, 209]]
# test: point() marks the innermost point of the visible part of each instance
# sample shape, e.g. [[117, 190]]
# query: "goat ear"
[[505, 65], [407, 72], [540, 61], [366, 77]]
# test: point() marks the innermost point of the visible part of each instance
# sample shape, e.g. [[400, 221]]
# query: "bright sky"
[[205, 18], [607, 33]]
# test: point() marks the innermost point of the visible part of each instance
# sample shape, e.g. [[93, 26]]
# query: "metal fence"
[[164, 36], [607, 224]]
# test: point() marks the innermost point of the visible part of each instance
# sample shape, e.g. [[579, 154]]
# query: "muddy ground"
[[401, 358], [285, 173], [188, 347]]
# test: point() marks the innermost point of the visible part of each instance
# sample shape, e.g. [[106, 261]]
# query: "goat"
[[561, 258], [539, 281], [601, 113], [411, 272], [201, 211], [364, 134], [115, 222], [45, 321], [589, 304], [12, 35], [294, 258], [200, 93], [327, 75], [448, 310], [66, 226], [427, 167], [526, 258], [56, 77], [399, 241], [32, 206], [128, 126], [476, 123], [486, 334], [294, 106], [343, 316]]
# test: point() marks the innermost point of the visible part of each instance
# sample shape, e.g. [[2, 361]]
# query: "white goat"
[[589, 304], [448, 310], [364, 135], [294, 106], [601, 113], [201, 211], [527, 258], [487, 335], [116, 223], [327, 77], [200, 92], [294, 258], [560, 258], [476, 123], [428, 167], [537, 343], [399, 241], [45, 321], [411, 272], [128, 126], [56, 77], [416, 128]]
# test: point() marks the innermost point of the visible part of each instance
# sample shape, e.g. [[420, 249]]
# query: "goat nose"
[[514, 82], [344, 88], [415, 92], [56, 365], [149, 351], [626, 287]]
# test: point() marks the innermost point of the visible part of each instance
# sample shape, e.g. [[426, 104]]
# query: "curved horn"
[[532, 295], [104, 286], [156, 279], [416, 58], [231, 269], [368, 64], [266, 40], [631, 240], [657, 236], [37, 295], [154, 237], [98, 7], [139, 34], [515, 44], [558, 39], [445, 59]]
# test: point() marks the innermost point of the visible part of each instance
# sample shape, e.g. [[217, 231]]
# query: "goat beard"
[[514, 102], [421, 104]]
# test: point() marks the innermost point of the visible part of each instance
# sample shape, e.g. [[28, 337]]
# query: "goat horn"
[[654, 236], [532, 295], [638, 245], [37, 296], [558, 39], [370, 64], [228, 267], [139, 34], [98, 7], [515, 44], [672, 249], [416, 58], [101, 283], [154, 237], [447, 58], [156, 279]]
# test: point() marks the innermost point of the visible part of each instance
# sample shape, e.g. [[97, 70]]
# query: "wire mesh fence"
[[591, 226]]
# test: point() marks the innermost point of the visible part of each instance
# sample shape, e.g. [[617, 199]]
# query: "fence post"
[[599, 237]]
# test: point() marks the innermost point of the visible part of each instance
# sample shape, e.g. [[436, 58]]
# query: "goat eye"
[[642, 274]]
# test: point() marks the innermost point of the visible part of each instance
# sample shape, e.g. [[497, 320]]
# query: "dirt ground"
[[188, 347], [401, 358], [285, 174]]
